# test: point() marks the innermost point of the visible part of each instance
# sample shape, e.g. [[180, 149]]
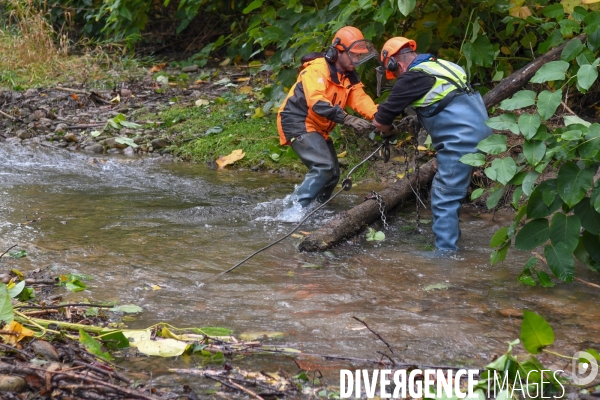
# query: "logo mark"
[[584, 372]]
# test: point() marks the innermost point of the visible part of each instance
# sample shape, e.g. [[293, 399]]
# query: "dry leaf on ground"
[[157, 67], [231, 158], [17, 332]]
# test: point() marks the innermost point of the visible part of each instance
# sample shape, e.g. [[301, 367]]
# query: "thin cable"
[[277, 241], [346, 185], [416, 195]]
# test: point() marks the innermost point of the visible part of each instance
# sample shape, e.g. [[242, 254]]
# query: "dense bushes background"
[[489, 38]]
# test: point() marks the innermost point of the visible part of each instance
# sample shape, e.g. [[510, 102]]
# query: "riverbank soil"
[[196, 115]]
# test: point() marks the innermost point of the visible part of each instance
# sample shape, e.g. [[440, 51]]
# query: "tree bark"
[[348, 223]]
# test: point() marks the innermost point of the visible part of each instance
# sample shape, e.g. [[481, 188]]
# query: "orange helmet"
[[391, 48], [351, 40], [347, 36]]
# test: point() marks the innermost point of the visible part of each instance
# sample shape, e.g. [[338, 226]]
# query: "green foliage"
[[213, 331], [533, 234], [510, 374], [536, 333], [373, 235], [552, 71], [487, 38], [561, 213], [73, 282], [114, 340], [475, 160], [93, 346], [18, 254], [6, 309], [119, 121], [20, 292], [523, 98], [280, 153]]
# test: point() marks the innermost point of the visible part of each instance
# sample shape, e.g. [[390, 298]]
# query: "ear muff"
[[331, 54], [392, 63]]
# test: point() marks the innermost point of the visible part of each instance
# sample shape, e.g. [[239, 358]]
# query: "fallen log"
[[348, 223]]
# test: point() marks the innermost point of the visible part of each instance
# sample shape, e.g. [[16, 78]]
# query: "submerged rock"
[[22, 134], [95, 148], [9, 383], [159, 143], [71, 138], [45, 350]]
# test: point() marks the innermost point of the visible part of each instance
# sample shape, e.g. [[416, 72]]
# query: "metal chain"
[[381, 203], [405, 153]]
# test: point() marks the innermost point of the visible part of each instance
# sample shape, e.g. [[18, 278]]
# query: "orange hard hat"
[[392, 47], [346, 37]]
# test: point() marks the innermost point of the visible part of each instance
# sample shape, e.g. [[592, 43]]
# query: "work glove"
[[390, 135], [357, 123]]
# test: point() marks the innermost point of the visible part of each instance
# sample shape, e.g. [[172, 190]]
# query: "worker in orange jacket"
[[325, 86]]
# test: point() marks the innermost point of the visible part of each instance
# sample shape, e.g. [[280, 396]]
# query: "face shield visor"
[[361, 51]]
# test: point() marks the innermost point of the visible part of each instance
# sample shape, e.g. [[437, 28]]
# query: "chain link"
[[381, 204]]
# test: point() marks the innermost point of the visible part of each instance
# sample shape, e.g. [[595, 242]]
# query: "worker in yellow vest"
[[451, 112]]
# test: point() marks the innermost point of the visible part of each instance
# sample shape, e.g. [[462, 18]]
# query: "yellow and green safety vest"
[[448, 78]]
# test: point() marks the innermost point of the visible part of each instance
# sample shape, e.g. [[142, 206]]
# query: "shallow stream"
[[136, 223]]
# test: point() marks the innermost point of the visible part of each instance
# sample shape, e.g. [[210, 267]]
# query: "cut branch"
[[77, 91], [9, 116], [374, 333], [2, 255]]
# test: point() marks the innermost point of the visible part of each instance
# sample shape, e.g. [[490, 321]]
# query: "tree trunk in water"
[[348, 223]]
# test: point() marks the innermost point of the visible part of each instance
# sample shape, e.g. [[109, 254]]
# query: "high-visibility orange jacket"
[[317, 100]]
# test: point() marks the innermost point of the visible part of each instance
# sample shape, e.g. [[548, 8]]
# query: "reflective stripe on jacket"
[[317, 100], [441, 87]]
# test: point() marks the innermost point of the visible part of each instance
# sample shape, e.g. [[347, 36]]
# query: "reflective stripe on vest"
[[442, 86]]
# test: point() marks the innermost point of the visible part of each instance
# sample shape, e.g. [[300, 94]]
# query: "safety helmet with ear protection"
[[352, 41], [396, 45]]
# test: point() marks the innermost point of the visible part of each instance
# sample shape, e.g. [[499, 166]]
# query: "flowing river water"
[[135, 223]]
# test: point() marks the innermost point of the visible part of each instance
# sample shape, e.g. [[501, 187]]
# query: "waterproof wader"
[[455, 131], [323, 174]]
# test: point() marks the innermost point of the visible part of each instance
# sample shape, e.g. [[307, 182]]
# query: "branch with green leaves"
[[552, 176]]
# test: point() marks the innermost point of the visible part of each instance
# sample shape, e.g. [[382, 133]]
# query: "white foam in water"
[[295, 213], [292, 210], [265, 205], [269, 207]]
